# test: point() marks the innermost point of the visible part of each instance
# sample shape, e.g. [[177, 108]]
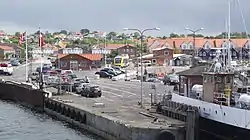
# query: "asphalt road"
[[113, 91]]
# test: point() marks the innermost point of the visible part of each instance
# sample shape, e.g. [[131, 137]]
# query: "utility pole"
[[141, 32], [195, 50]]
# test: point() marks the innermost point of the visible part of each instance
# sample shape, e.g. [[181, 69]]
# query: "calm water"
[[18, 123]]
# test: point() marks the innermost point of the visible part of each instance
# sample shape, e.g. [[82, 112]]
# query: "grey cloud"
[[113, 15]]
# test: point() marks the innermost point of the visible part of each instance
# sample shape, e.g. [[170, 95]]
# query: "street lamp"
[[194, 33], [141, 32]]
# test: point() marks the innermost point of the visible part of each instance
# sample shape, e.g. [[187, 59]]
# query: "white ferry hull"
[[225, 121]]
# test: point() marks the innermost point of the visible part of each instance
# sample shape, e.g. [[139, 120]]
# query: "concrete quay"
[[114, 116], [114, 121]]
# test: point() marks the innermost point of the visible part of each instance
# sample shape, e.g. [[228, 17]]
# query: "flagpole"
[[40, 45], [26, 57]]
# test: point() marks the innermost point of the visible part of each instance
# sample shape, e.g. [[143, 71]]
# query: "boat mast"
[[229, 36]]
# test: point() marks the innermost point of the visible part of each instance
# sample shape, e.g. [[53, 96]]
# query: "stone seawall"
[[106, 126]]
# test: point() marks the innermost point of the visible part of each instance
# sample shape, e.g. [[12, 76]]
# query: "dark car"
[[104, 74], [91, 91], [44, 69], [171, 79], [110, 71]]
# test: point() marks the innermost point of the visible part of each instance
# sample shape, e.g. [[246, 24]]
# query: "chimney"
[[214, 43]]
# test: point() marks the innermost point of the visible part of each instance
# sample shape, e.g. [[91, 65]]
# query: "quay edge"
[[108, 127]]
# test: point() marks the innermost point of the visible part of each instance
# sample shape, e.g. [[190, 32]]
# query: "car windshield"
[[118, 60]]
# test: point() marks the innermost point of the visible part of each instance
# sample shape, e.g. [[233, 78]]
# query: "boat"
[[224, 114]]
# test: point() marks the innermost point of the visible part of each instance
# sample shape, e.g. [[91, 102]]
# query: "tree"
[[173, 35], [17, 34], [112, 54], [111, 35], [63, 32], [84, 31], [136, 35]]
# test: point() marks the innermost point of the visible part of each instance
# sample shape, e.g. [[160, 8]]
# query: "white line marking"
[[118, 90], [112, 93], [107, 99]]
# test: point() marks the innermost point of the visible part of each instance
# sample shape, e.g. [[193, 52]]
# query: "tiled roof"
[[92, 57], [6, 48], [195, 71], [114, 46], [199, 42]]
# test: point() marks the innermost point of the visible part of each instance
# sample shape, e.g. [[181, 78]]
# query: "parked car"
[[104, 74], [110, 71], [171, 79], [91, 91], [154, 80], [14, 62], [79, 86], [44, 69], [118, 69]]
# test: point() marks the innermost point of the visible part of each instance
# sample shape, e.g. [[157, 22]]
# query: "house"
[[204, 48], [181, 60], [121, 49], [160, 56], [17, 49], [6, 52], [79, 61]]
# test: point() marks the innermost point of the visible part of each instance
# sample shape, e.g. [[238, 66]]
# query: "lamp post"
[[141, 32], [195, 50]]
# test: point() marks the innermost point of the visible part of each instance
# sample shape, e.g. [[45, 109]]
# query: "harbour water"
[[18, 123]]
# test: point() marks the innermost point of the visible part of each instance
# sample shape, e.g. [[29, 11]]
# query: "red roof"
[[6, 48], [92, 57]]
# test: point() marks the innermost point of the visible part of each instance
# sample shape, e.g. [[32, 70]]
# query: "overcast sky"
[[114, 15]]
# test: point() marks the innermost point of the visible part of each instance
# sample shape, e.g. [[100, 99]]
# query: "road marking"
[[118, 90], [107, 99], [112, 93]]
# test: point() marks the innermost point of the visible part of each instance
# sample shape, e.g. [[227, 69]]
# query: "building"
[[181, 60], [121, 49], [161, 56], [204, 48], [79, 61], [6, 52]]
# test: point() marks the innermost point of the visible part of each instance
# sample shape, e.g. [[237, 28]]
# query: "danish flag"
[[41, 39], [22, 39]]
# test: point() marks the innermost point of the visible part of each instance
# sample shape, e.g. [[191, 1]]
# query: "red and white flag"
[[22, 39], [41, 39]]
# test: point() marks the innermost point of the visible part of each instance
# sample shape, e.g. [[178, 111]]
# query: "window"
[[184, 46], [63, 64], [207, 46], [154, 61], [204, 54], [165, 52], [190, 46], [83, 63]]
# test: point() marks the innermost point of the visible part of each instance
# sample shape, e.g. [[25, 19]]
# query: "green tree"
[[84, 31], [173, 35], [63, 32], [111, 35], [112, 54], [17, 34]]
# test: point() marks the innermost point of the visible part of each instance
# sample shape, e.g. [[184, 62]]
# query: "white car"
[[6, 70]]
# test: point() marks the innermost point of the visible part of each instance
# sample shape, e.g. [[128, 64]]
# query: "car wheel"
[[110, 77], [99, 95]]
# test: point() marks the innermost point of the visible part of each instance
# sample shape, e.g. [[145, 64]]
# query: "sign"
[[101, 51], [72, 51]]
